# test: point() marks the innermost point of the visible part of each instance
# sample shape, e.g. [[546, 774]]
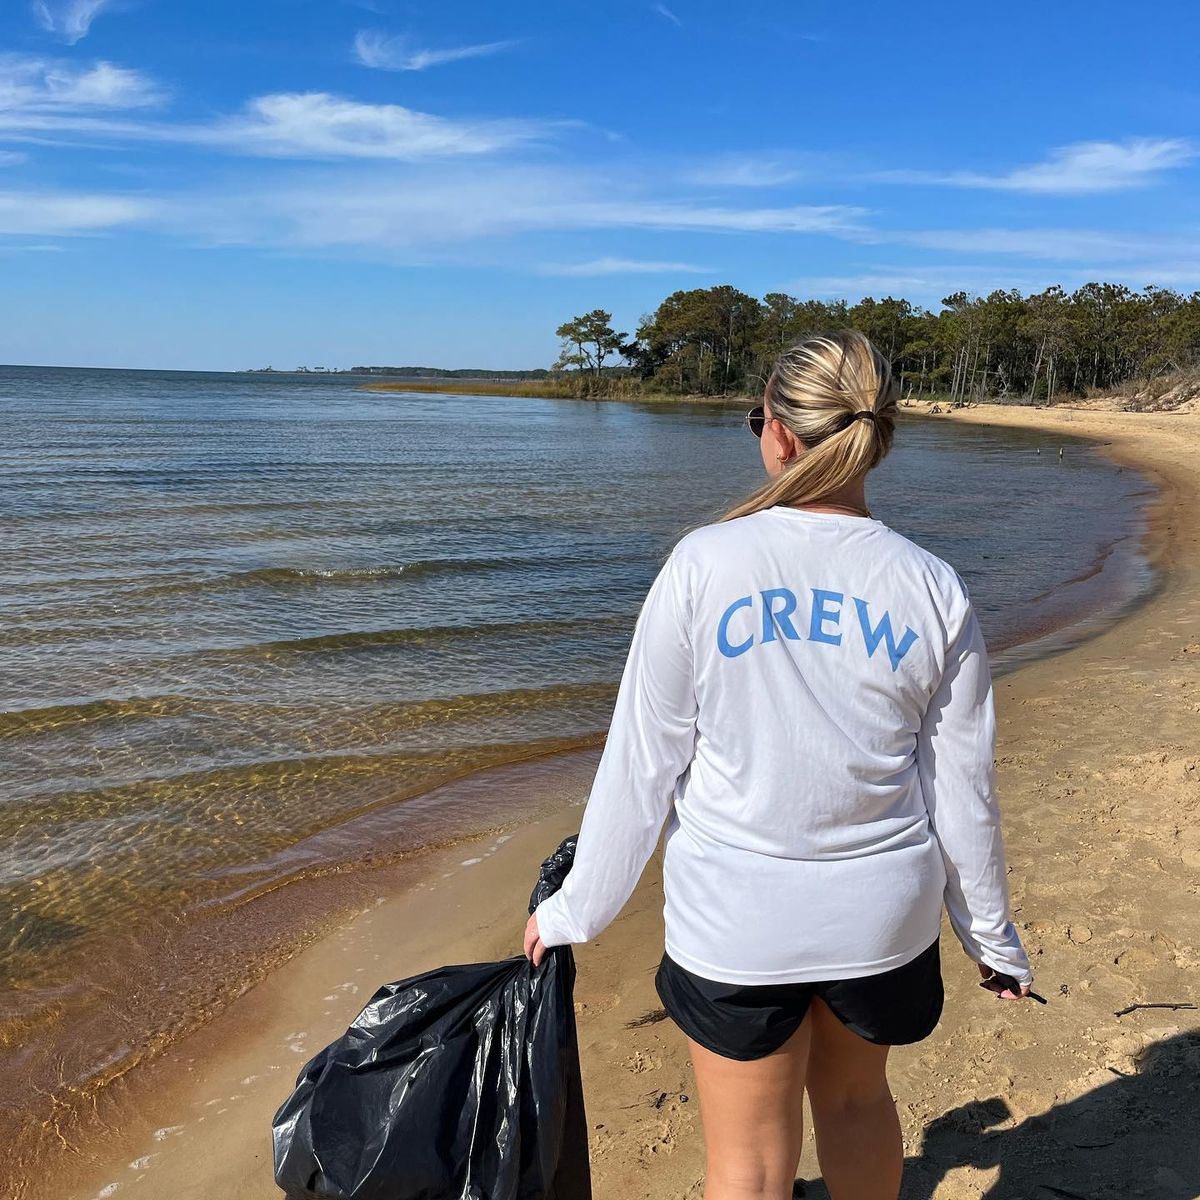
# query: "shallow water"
[[243, 613]]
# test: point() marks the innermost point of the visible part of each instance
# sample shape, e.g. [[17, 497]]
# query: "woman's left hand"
[[993, 982], [535, 950]]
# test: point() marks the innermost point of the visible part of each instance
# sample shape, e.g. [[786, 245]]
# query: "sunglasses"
[[757, 419]]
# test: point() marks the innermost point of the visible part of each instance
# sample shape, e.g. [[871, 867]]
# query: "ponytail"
[[817, 389]]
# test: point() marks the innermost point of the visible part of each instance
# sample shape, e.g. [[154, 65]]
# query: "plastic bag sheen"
[[459, 1084]]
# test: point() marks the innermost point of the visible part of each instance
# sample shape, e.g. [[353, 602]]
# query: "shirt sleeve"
[[956, 764], [651, 742]]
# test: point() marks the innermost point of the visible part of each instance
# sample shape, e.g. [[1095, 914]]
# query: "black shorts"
[[746, 1021]]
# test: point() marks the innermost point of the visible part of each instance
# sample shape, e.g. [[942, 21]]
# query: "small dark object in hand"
[[1007, 984]]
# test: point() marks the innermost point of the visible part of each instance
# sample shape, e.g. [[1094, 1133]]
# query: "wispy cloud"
[[424, 213], [30, 248], [12, 158], [743, 172], [312, 125], [927, 284], [316, 124], [622, 266], [401, 53], [798, 218], [919, 283], [68, 20], [62, 213], [33, 84], [1082, 167], [1062, 245], [380, 211], [664, 11]]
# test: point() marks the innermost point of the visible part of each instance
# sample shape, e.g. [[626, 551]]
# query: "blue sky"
[[331, 182]]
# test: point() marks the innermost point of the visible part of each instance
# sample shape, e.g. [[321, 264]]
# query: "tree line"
[[1003, 346]]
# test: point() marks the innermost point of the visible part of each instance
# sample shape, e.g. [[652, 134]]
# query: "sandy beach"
[[1099, 761]]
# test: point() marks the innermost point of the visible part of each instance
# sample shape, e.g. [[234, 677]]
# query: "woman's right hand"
[[999, 984], [535, 948]]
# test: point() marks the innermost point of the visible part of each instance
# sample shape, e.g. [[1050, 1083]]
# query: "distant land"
[[407, 372]]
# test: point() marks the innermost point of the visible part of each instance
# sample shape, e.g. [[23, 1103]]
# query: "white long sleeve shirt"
[[807, 704]]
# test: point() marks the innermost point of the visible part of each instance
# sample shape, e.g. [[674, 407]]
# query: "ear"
[[790, 446]]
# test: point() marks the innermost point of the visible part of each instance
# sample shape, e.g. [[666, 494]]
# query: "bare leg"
[[859, 1145], [753, 1117]]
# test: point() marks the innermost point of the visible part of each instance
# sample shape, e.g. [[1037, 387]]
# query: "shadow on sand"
[[1136, 1136]]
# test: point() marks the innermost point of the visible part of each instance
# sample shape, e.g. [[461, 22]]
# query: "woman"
[[807, 704]]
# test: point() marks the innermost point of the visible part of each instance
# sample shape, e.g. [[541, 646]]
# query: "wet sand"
[[1099, 758]]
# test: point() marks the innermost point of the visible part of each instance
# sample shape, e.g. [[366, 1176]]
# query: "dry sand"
[[1099, 760]]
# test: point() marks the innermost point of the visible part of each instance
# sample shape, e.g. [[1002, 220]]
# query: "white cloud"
[[30, 248], [664, 11], [496, 214], [69, 20], [412, 209], [63, 213], [310, 125], [1068, 245], [799, 218], [55, 85], [622, 266], [916, 282], [1080, 168], [743, 172], [927, 284], [318, 125], [12, 158], [400, 53]]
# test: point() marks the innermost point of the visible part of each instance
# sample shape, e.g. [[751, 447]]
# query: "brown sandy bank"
[[1099, 757]]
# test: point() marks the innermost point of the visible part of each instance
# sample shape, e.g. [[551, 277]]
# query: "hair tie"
[[869, 413]]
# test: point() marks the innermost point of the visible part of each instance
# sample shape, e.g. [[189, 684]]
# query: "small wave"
[[41, 719], [396, 772], [366, 638], [281, 577], [271, 576], [106, 708], [74, 588]]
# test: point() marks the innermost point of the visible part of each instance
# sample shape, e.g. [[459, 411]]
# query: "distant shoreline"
[[918, 406], [535, 389]]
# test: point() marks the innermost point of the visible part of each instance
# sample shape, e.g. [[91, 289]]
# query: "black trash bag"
[[459, 1084]]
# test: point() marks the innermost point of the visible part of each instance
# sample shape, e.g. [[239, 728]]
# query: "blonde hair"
[[816, 389]]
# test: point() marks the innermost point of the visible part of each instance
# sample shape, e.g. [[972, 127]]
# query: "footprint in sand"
[[642, 1060], [140, 1164]]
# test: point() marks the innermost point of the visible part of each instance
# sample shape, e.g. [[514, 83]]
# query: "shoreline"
[[174, 971], [250, 1031]]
